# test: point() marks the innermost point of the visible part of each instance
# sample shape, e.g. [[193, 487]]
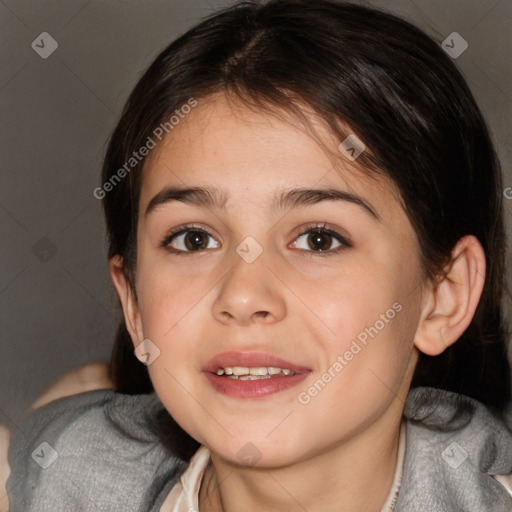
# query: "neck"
[[354, 476]]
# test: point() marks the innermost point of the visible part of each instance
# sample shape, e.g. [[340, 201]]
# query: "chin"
[[256, 452]]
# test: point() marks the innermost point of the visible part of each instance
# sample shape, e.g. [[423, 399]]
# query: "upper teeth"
[[258, 370]]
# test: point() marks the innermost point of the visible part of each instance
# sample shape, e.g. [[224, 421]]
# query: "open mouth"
[[254, 373], [254, 382]]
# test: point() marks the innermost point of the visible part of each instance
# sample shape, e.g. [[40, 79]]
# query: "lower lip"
[[254, 388]]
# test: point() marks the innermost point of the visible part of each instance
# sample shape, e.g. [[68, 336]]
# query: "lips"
[[250, 359]]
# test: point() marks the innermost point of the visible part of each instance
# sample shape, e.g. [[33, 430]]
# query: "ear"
[[450, 305], [127, 298]]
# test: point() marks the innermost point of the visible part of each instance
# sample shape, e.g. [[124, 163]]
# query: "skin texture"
[[89, 377], [291, 301]]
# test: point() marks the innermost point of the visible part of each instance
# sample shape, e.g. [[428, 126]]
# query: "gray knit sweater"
[[97, 451]]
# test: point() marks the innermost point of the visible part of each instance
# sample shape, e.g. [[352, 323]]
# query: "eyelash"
[[315, 227]]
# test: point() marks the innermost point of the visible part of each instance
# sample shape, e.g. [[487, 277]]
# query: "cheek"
[[167, 301], [171, 310], [343, 304], [362, 375], [366, 324], [171, 314]]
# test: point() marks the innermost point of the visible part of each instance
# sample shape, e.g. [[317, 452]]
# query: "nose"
[[249, 293]]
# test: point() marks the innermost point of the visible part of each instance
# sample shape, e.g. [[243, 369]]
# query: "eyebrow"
[[216, 198]]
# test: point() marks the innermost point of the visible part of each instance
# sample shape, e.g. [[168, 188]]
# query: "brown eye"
[[189, 240], [319, 239], [195, 240]]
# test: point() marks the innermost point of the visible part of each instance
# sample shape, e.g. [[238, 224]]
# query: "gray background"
[[57, 307]]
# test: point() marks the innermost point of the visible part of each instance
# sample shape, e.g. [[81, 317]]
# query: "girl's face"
[[341, 304]]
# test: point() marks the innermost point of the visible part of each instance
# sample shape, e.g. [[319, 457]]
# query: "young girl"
[[305, 220]]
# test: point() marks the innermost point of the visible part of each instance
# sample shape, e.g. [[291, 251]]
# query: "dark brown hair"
[[403, 97]]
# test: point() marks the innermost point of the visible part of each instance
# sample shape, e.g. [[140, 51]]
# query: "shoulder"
[[455, 447], [438, 416], [94, 450]]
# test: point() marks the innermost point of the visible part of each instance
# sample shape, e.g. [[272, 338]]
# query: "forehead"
[[223, 143]]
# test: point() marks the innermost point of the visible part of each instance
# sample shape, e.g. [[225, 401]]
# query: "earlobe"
[[451, 303], [127, 299]]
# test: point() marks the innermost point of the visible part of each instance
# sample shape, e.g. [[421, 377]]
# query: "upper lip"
[[251, 360]]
